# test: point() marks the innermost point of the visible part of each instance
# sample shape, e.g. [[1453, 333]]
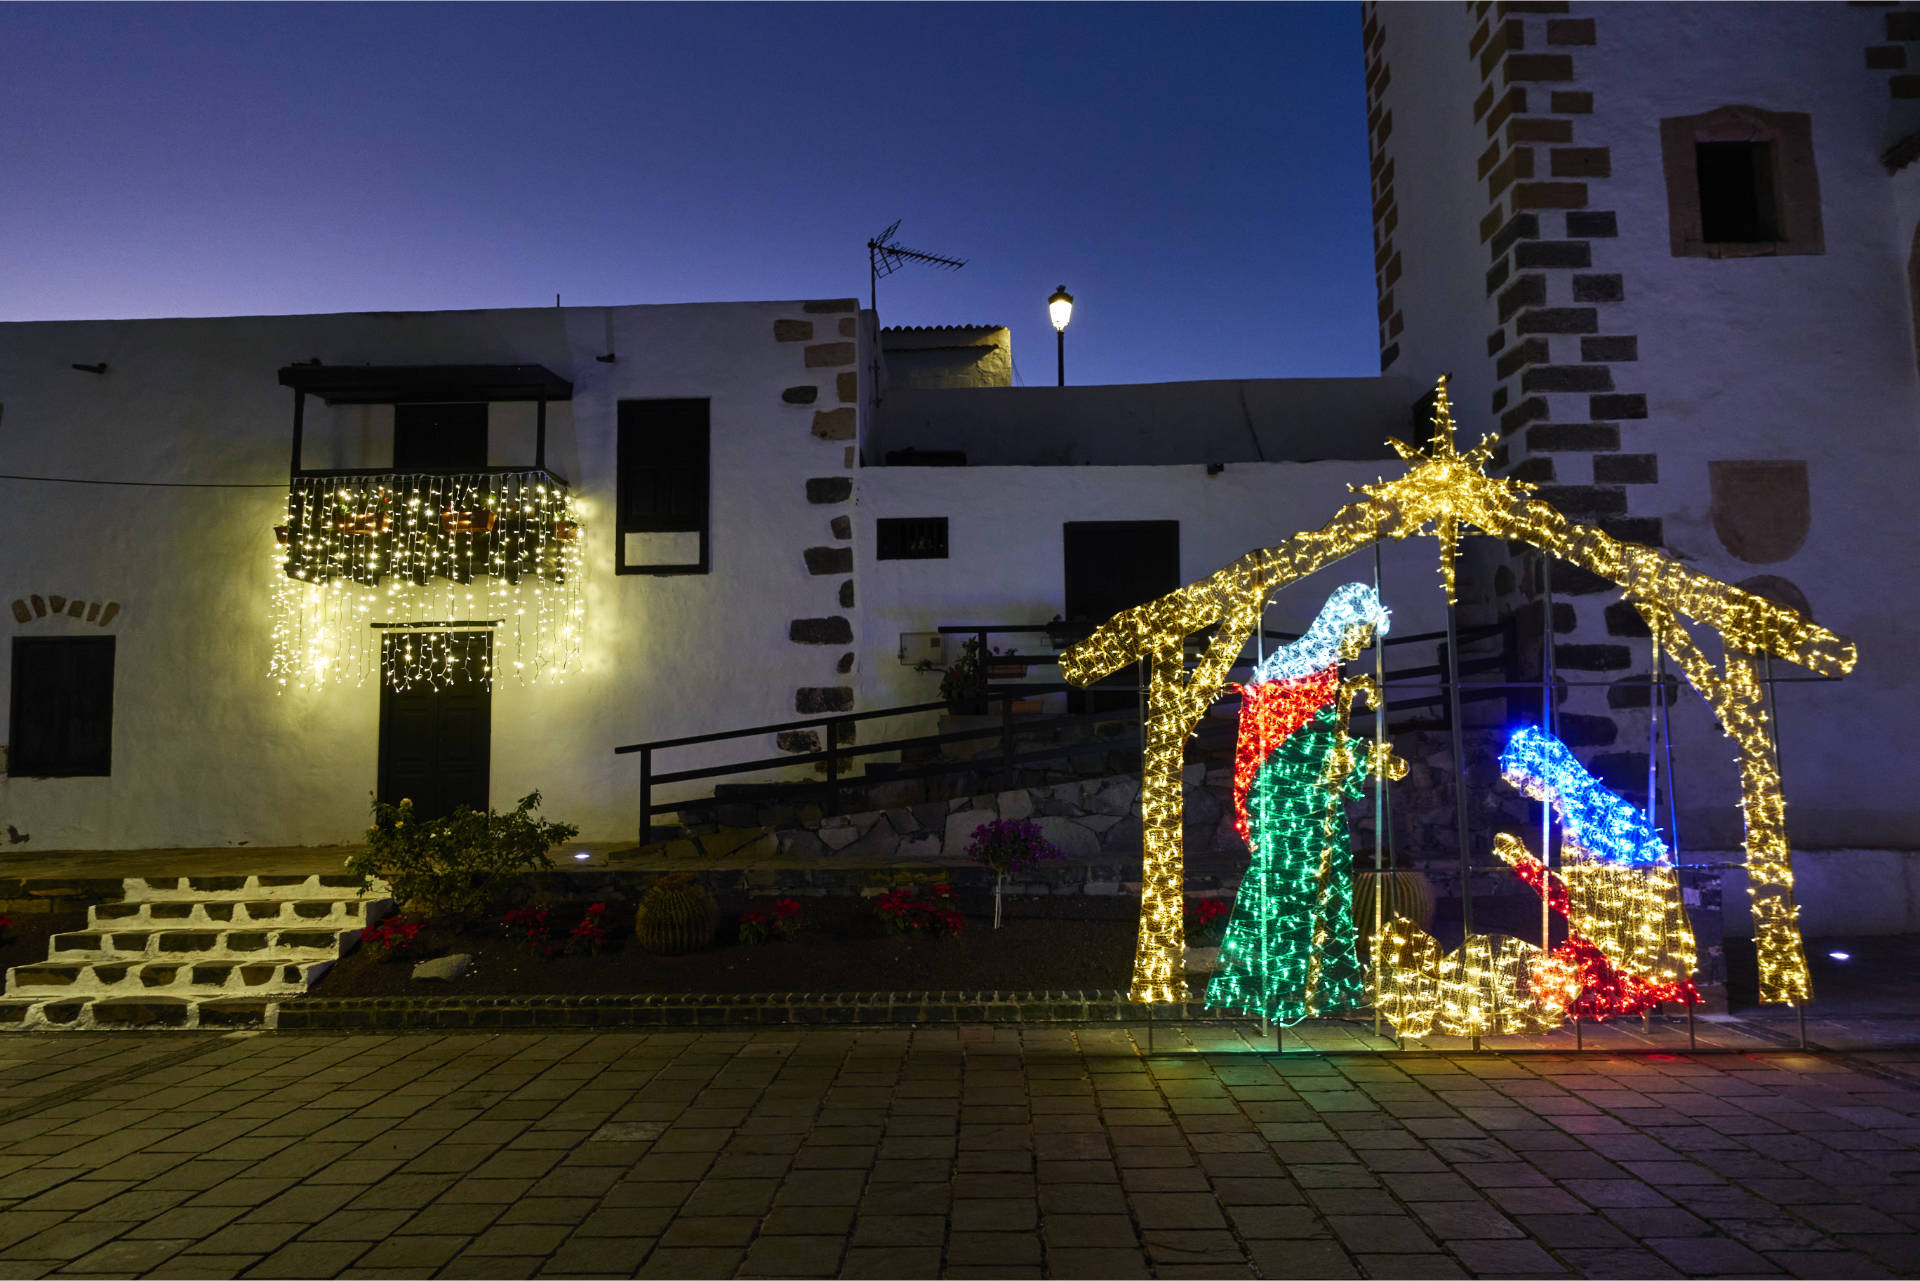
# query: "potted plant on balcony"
[[964, 684]]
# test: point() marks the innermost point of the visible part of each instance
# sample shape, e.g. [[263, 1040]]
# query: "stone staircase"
[[184, 952]]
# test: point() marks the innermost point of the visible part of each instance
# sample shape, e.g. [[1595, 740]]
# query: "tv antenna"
[[884, 258]]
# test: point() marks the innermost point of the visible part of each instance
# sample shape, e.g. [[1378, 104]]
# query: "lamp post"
[[1060, 310]]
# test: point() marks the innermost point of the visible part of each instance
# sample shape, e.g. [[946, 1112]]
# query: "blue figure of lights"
[[1592, 816], [1354, 605]]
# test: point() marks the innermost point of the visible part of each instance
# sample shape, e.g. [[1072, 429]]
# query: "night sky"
[[1195, 175]]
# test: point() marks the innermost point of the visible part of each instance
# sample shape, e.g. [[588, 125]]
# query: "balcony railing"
[[367, 526]]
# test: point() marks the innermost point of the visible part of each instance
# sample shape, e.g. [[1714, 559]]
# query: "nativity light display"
[[1289, 948], [382, 577], [1629, 946], [1443, 493]]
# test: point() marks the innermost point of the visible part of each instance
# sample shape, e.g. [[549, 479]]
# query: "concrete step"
[[264, 913], [205, 889], [202, 944], [94, 979]]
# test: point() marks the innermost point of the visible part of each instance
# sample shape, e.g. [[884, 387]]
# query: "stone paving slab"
[[1045, 1150]]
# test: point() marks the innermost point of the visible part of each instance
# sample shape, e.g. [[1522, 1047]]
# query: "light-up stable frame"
[[1442, 492]]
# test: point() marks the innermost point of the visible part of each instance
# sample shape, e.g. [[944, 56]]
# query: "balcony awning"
[[425, 384]]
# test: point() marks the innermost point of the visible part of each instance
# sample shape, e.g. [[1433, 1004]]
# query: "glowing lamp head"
[[1841, 956], [1060, 308]]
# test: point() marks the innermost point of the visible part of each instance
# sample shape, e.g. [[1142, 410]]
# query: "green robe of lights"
[[1289, 950]]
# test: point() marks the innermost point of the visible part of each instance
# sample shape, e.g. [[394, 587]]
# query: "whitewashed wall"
[[1005, 561], [205, 754]]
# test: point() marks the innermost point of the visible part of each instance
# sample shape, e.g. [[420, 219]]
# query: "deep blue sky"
[[1195, 175]]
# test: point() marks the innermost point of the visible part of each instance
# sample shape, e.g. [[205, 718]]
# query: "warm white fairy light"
[[503, 548]]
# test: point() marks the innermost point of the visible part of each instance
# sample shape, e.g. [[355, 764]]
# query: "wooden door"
[[436, 744], [1113, 565]]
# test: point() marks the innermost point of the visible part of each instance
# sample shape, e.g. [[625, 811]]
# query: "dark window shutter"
[[61, 718], [664, 468]]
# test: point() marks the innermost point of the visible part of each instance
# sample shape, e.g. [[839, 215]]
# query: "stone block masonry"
[[1564, 373], [1386, 212], [833, 428]]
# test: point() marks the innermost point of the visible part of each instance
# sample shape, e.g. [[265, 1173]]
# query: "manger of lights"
[[1442, 494], [424, 559]]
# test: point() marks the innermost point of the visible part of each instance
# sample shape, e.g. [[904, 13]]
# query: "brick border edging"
[[763, 1009]]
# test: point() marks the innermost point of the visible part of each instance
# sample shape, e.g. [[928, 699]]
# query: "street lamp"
[[1060, 310]]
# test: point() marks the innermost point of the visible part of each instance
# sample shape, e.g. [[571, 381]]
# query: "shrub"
[[781, 921], [590, 935], [459, 868], [906, 911], [1206, 920], [393, 938]]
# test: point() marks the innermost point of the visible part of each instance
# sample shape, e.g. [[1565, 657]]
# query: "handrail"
[[809, 723], [833, 755]]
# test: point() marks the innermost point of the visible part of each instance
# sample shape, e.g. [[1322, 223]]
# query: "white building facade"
[[267, 567]]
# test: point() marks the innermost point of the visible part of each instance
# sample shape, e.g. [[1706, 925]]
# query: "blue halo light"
[[1841, 956], [581, 856]]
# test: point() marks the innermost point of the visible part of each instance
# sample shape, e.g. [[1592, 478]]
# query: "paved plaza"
[[964, 1151]]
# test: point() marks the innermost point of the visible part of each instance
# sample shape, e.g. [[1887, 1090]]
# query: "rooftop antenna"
[[884, 258]]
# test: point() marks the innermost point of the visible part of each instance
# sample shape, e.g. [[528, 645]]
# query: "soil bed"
[[28, 935], [1063, 942]]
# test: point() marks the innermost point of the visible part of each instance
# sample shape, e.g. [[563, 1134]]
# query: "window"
[[1736, 192], [439, 438], [664, 474], [1741, 183], [61, 720], [910, 538]]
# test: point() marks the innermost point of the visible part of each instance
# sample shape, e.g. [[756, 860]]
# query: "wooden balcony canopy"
[[425, 384]]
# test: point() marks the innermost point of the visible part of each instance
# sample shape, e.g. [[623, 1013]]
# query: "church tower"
[[1667, 253]]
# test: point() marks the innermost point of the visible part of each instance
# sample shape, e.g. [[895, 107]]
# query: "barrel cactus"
[[677, 915], [1402, 892]]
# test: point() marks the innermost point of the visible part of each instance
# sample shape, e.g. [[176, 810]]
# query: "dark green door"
[[1113, 565], [435, 744]]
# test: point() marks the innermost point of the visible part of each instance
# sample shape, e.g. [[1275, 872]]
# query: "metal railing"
[[835, 755]]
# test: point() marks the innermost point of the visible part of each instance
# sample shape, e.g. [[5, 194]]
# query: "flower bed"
[[842, 945]]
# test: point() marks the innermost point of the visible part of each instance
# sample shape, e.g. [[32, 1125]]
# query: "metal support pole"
[[1006, 740], [1801, 1010], [1459, 777], [1691, 1044], [299, 430], [540, 433], [1379, 795], [1656, 696], [646, 794], [1546, 724], [833, 768], [1060, 336]]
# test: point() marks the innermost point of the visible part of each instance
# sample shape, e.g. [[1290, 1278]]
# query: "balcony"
[[435, 543], [367, 526]]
